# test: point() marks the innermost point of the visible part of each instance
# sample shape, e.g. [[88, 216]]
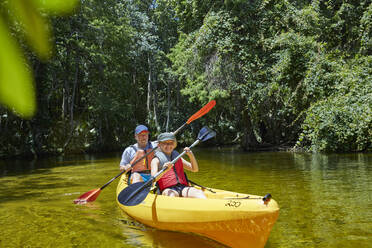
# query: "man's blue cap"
[[140, 129]]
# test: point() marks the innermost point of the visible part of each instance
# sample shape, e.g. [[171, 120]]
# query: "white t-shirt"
[[130, 152]]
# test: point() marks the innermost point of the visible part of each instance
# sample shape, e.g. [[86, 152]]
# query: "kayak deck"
[[233, 219]]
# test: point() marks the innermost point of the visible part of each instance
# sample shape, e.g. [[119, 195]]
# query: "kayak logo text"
[[232, 203]]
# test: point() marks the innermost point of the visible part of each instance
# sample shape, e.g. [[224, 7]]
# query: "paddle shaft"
[[180, 128], [202, 137], [195, 116], [135, 193], [131, 166], [138, 160], [201, 186], [160, 173]]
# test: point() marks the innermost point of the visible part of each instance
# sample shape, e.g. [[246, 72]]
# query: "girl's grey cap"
[[166, 136]]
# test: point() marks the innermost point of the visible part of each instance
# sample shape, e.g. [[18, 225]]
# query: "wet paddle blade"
[[134, 194], [88, 196], [202, 111], [206, 133], [93, 194]]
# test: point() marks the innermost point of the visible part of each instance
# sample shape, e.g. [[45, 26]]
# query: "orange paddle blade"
[[202, 111], [88, 196]]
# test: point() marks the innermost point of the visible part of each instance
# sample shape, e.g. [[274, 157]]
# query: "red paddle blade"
[[202, 111], [88, 196]]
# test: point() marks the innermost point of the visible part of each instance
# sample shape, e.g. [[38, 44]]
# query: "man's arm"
[[154, 166], [126, 158]]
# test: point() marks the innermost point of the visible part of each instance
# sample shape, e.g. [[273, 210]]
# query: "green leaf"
[[16, 81], [57, 6], [36, 27]]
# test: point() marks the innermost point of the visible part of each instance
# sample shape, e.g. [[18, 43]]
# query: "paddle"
[[197, 115], [93, 194], [201, 186], [135, 193]]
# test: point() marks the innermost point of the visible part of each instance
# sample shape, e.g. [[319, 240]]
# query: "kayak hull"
[[230, 218]]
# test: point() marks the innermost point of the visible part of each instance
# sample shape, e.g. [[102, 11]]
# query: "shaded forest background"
[[293, 74]]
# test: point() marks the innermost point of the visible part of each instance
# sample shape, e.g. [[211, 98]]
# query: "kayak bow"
[[233, 219]]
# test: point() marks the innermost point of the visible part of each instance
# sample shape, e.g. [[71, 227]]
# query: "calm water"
[[325, 200]]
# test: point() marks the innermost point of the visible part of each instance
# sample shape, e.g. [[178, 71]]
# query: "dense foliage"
[[281, 69], [282, 73]]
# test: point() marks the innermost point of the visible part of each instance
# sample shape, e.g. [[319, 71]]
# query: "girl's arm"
[[193, 164]]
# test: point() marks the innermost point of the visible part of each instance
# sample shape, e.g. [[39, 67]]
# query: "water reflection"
[[325, 200], [143, 236]]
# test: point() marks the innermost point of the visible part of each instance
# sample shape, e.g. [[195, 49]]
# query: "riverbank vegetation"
[[292, 74]]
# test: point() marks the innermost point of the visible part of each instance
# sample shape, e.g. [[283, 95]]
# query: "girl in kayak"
[[174, 182]]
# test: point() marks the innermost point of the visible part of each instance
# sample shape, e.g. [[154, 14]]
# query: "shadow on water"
[[32, 179], [14, 167], [30, 188]]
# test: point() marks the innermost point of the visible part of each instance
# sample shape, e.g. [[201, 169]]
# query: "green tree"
[[270, 62]]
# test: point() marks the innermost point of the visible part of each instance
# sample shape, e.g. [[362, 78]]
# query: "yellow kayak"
[[233, 219]]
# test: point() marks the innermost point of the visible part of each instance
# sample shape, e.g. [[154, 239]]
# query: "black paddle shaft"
[[133, 164], [135, 193], [208, 132]]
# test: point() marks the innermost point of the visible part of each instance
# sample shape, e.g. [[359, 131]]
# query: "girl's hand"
[[168, 165], [188, 151]]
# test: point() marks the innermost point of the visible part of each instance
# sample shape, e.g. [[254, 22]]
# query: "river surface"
[[325, 200]]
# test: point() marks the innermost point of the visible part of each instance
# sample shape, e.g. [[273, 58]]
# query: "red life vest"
[[173, 176], [144, 164]]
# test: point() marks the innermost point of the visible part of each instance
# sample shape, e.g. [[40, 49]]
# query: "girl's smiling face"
[[167, 146]]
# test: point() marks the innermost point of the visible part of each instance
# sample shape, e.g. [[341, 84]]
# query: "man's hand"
[[125, 167]]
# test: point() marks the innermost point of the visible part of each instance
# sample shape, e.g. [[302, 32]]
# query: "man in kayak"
[[141, 170], [174, 182]]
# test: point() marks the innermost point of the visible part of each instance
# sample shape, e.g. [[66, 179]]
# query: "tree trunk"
[[72, 102], [178, 95], [134, 86], [149, 92], [64, 99], [155, 105], [74, 94], [65, 90], [249, 142], [168, 107], [37, 125]]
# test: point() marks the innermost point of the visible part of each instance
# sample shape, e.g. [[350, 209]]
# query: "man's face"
[[142, 139]]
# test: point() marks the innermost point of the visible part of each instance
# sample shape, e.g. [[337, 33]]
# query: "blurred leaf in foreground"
[[35, 26], [16, 81], [57, 7]]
